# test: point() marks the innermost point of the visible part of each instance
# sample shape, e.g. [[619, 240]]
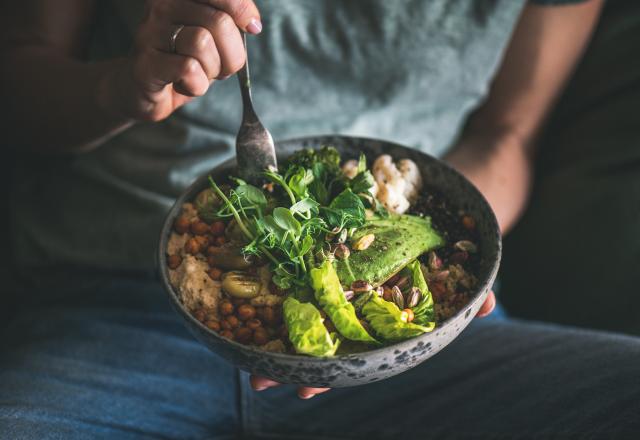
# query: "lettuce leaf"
[[423, 312], [329, 294], [307, 333], [389, 322]]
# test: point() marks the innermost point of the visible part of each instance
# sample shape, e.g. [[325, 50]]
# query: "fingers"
[[262, 383], [194, 42], [154, 70], [308, 393], [244, 13], [488, 306], [222, 27]]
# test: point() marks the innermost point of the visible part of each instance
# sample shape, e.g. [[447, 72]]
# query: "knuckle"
[[234, 63], [190, 66], [202, 39]]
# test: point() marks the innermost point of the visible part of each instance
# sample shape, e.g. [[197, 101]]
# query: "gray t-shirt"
[[408, 71]]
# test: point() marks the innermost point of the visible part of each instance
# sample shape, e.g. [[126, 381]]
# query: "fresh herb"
[[311, 198]]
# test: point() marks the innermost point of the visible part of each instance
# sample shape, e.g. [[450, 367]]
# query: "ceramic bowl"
[[373, 365]]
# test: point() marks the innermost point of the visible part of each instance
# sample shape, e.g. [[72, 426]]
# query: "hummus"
[[196, 288]]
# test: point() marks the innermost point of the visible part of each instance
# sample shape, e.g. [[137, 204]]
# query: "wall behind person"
[[575, 256]]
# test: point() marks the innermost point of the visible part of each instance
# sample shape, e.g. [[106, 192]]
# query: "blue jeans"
[[113, 362]]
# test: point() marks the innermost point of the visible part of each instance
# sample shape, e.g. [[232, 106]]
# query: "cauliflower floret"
[[350, 168], [412, 177], [195, 286], [397, 185], [393, 200]]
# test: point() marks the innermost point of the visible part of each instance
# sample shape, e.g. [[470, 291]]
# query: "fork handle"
[[244, 78]]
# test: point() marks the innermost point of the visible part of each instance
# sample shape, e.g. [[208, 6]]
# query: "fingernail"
[[254, 27], [260, 388], [306, 396]]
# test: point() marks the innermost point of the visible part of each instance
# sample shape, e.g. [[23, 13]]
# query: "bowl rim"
[[479, 292]]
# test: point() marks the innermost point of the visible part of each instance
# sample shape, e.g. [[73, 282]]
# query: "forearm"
[[58, 104], [497, 148], [500, 166]]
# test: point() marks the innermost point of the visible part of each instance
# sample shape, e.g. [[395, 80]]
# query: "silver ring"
[[174, 36]]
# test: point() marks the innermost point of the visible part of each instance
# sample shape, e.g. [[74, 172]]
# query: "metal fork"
[[255, 151]]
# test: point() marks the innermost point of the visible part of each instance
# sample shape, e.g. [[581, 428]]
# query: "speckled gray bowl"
[[374, 365]]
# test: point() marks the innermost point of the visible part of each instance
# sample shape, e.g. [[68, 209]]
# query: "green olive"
[[229, 257], [241, 284]]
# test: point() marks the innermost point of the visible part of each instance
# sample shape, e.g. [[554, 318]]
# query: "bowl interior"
[[377, 364]]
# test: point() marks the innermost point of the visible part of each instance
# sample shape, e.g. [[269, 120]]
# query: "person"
[[109, 136]]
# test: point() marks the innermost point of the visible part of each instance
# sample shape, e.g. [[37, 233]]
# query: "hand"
[[156, 80], [262, 383]]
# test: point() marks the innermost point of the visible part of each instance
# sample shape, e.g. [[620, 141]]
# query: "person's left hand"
[[262, 383]]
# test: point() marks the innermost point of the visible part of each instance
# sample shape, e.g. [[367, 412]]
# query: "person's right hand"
[[156, 80]]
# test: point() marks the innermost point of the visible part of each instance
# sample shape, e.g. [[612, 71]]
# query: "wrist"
[[500, 167]]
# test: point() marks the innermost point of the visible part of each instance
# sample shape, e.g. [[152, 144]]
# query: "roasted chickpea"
[[217, 228], [243, 335], [468, 222], [284, 333], [269, 316], [233, 321], [174, 261], [215, 274], [181, 225], [220, 240], [227, 334], [199, 227], [225, 325], [192, 246], [254, 323], [213, 325], [211, 250], [246, 312], [226, 308], [203, 241], [238, 301], [260, 336]]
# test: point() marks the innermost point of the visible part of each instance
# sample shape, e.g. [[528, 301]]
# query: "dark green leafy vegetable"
[[329, 294], [389, 322], [345, 211], [306, 330], [398, 240]]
